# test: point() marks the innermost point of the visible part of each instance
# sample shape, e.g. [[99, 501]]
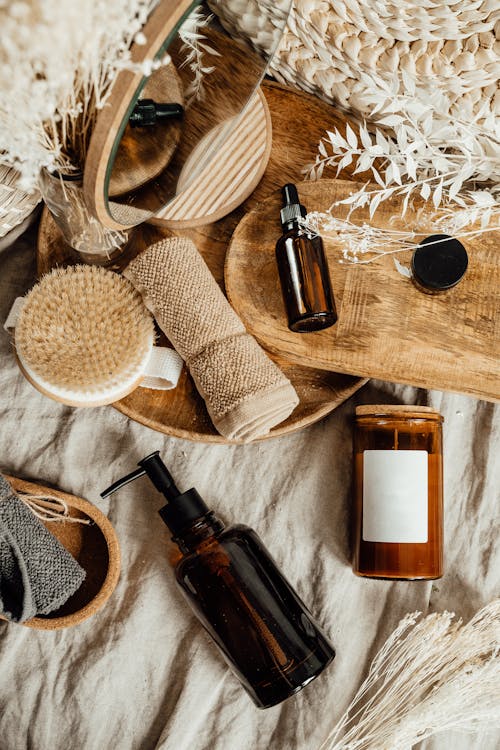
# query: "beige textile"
[[142, 674], [245, 392]]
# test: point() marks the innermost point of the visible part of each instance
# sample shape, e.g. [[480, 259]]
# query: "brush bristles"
[[84, 329]]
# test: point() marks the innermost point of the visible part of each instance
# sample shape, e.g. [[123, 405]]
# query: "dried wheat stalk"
[[432, 675]]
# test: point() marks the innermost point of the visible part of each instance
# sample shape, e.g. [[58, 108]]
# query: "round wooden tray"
[[96, 548], [182, 412], [387, 328]]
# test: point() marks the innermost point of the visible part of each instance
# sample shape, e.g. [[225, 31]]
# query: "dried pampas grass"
[[432, 675], [57, 64], [424, 76]]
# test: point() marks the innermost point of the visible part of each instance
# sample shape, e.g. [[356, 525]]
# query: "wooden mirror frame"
[[165, 20], [162, 22]]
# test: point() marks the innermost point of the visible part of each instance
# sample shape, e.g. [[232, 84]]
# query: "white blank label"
[[395, 496]]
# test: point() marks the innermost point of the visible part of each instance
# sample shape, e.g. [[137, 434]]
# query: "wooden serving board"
[[181, 412], [387, 328]]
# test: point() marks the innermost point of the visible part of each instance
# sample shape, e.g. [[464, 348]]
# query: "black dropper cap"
[[292, 209], [148, 112], [182, 509]]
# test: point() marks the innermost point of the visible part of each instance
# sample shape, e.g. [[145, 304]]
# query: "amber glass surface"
[[406, 430], [305, 282], [263, 629]]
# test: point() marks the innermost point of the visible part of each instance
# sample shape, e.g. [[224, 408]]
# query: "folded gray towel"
[[37, 574]]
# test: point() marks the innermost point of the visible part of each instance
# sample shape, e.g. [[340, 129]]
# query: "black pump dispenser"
[[266, 633], [292, 210], [182, 508]]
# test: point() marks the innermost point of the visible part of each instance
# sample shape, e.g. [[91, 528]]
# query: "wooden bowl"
[[96, 548]]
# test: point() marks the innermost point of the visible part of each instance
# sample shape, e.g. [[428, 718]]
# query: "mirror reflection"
[[184, 112]]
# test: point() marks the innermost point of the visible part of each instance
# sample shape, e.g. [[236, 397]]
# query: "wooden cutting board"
[[181, 412], [387, 328]]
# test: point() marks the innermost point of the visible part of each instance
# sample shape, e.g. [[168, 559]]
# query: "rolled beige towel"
[[246, 394]]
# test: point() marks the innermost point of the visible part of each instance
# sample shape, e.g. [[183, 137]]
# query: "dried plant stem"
[[431, 675], [194, 46], [363, 243]]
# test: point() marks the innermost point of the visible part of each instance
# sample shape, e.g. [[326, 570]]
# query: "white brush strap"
[[163, 368], [13, 315]]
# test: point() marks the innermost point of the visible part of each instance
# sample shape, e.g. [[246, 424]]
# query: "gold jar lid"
[[407, 411]]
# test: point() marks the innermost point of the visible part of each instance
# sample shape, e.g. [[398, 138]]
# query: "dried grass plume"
[[432, 675]]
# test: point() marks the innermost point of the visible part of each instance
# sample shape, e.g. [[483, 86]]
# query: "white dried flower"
[[57, 64], [432, 675], [429, 155], [195, 48]]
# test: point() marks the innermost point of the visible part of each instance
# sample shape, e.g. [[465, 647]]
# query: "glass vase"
[[65, 199]]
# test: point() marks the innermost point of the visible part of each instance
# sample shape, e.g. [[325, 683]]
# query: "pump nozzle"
[[181, 508], [122, 482], [156, 470]]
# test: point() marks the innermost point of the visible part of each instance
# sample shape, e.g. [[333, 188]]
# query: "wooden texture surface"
[[387, 328], [182, 412], [199, 180], [94, 545], [218, 189]]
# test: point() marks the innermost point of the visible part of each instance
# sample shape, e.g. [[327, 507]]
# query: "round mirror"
[[181, 133]]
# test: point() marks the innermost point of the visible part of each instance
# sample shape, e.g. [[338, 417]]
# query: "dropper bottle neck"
[[293, 211]]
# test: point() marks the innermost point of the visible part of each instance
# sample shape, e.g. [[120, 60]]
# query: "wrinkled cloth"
[[142, 674], [37, 574]]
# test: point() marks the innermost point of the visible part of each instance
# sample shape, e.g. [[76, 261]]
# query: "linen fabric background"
[[142, 674]]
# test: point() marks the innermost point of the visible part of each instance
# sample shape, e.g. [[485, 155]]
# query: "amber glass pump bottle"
[[266, 634], [303, 270]]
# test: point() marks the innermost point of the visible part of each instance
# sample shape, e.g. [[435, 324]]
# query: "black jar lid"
[[439, 262]]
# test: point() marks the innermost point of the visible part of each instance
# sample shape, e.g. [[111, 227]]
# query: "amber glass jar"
[[398, 464]]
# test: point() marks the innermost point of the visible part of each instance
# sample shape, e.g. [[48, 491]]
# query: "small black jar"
[[438, 263]]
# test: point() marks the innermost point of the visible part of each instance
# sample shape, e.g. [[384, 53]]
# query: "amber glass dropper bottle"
[[263, 629], [303, 270]]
